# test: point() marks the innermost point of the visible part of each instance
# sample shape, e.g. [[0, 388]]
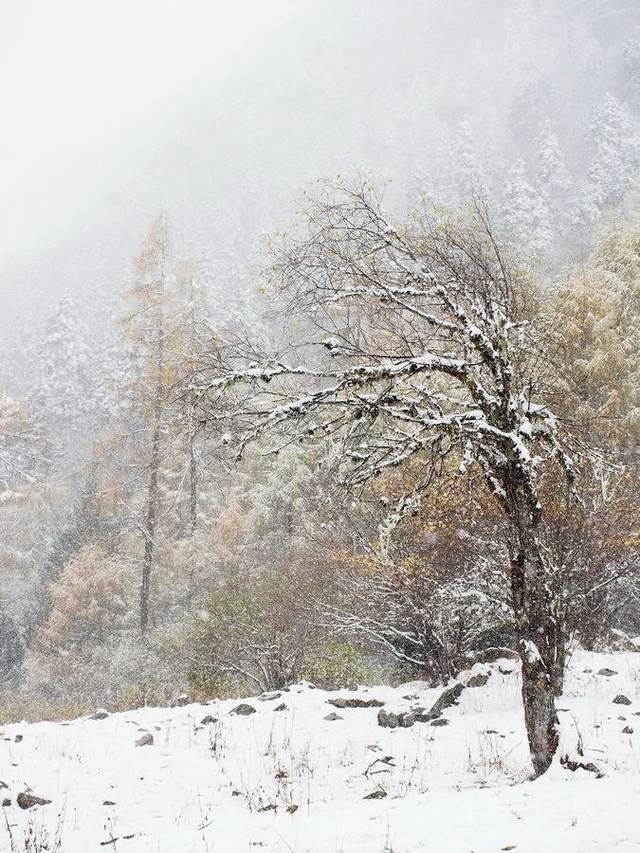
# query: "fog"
[[84, 86]]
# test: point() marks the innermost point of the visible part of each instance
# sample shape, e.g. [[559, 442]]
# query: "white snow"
[[461, 787]]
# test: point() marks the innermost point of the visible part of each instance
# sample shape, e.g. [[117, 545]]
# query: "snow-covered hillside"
[[293, 777]]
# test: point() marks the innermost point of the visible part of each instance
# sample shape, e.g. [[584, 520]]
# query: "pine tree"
[[616, 144], [525, 213], [468, 175], [63, 397]]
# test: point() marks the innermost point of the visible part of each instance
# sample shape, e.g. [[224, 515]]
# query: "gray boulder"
[[27, 800], [243, 710], [269, 697], [145, 740], [341, 702], [100, 714], [477, 680], [391, 720]]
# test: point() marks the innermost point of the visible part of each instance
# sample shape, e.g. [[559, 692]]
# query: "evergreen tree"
[[616, 145], [525, 213]]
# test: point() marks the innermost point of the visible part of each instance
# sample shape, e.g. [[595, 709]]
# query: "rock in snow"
[[621, 699], [269, 697], [341, 702], [478, 680], [145, 740], [243, 710], [100, 714], [27, 800], [390, 720], [448, 698]]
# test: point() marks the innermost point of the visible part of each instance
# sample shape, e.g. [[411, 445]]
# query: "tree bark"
[[193, 481], [536, 625], [150, 525], [537, 645], [156, 437]]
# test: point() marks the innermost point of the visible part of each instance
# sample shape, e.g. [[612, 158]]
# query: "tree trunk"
[[193, 481], [537, 646], [150, 525], [158, 400], [538, 697]]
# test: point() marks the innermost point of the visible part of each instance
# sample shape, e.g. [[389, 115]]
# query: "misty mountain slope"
[[438, 99], [288, 778]]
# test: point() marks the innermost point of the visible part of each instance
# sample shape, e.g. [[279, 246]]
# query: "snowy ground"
[[290, 780]]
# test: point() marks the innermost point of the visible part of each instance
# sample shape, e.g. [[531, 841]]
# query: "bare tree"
[[417, 343]]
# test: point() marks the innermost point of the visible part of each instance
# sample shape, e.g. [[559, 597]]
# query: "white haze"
[[221, 113], [86, 83]]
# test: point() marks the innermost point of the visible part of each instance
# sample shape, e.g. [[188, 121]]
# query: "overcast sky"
[[84, 81]]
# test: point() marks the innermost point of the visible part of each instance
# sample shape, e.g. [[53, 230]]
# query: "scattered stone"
[[391, 720], [27, 800], [504, 671], [243, 710], [586, 669], [333, 716], [292, 808], [208, 720], [180, 701], [341, 702], [17, 739], [477, 680], [627, 730], [270, 808], [589, 766], [100, 714], [607, 672], [281, 707], [447, 699], [379, 794], [439, 721], [425, 718], [269, 697], [621, 699], [3, 785], [145, 740], [6, 802], [108, 803], [411, 698]]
